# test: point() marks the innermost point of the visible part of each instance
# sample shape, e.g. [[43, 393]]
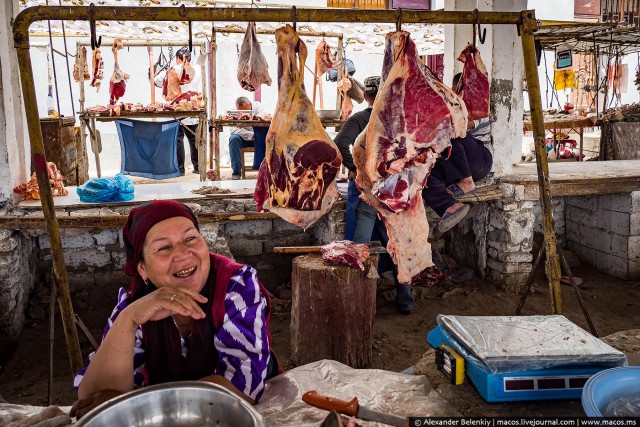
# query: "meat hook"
[[293, 17], [95, 41], [482, 32], [399, 20], [190, 38]]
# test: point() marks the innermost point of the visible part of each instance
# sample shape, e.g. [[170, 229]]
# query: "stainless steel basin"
[[179, 404], [328, 114]]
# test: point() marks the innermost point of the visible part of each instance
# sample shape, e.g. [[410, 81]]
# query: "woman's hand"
[[164, 302], [82, 406]]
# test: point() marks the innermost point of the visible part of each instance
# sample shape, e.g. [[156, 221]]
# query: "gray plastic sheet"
[[384, 391], [515, 343]]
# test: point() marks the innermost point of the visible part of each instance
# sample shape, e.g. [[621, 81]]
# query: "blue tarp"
[[148, 148]]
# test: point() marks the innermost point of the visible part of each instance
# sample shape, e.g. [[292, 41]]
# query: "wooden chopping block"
[[332, 311]]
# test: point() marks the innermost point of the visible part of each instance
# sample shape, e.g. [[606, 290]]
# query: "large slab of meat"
[[414, 117], [118, 82], [473, 86], [345, 252], [296, 178], [253, 69], [171, 85]]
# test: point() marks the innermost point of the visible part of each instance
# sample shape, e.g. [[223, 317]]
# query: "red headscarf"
[[140, 221]]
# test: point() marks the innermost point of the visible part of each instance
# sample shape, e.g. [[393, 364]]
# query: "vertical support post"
[[40, 165], [204, 124], [340, 55], [552, 267], [215, 136], [152, 84], [83, 123]]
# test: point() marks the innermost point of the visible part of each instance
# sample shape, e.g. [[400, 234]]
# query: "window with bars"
[[624, 12]]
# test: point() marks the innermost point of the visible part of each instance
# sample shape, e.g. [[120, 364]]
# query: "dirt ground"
[[399, 341]]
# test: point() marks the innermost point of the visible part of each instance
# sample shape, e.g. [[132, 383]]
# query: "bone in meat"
[[473, 86], [97, 64], [253, 69], [301, 161], [414, 117], [117, 84]]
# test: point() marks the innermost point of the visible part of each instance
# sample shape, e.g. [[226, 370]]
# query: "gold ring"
[[173, 298]]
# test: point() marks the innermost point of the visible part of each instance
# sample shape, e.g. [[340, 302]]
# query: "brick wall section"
[[604, 231], [17, 279], [559, 223]]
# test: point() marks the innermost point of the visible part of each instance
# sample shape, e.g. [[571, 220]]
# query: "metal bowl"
[[175, 404], [328, 114]]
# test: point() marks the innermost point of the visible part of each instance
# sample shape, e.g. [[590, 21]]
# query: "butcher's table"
[[89, 120], [218, 124], [573, 123]]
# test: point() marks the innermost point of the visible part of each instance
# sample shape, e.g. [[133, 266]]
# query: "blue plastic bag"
[[100, 190]]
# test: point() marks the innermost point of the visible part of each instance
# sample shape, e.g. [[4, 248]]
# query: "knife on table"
[[352, 408]]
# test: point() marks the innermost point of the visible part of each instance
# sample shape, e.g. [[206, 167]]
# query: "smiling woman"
[[189, 314]]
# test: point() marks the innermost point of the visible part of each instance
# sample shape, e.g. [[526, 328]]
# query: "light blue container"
[[606, 386]]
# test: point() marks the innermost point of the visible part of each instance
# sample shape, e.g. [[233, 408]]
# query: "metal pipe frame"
[[524, 20]]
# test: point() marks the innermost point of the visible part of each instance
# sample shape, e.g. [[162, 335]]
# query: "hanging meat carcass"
[[414, 117], [118, 82], [85, 66], [473, 86], [253, 69], [97, 64], [171, 85], [296, 179], [324, 58], [343, 86]]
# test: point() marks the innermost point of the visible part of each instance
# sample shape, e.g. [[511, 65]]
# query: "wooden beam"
[[117, 221]]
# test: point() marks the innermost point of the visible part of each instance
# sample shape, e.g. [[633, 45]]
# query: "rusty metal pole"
[[40, 165], [552, 266]]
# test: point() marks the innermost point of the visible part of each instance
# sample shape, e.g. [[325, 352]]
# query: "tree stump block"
[[332, 311]]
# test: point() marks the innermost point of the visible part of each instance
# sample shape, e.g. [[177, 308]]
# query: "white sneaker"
[[234, 177]]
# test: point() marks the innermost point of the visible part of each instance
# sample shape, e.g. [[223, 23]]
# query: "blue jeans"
[[235, 144], [469, 158]]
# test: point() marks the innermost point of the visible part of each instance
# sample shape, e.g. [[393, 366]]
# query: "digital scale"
[[514, 358]]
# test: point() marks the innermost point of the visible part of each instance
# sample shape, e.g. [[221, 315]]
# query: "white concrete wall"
[[14, 145], [134, 61]]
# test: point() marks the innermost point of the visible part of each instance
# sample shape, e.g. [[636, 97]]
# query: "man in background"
[[241, 136]]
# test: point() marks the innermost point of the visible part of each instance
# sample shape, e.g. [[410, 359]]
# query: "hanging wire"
[[53, 61], [66, 56]]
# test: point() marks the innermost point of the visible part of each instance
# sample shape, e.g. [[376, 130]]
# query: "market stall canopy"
[[588, 37], [367, 38]]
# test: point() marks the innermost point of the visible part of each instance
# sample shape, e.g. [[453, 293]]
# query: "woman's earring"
[[147, 282]]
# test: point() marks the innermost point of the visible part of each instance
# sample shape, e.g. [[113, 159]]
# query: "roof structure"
[[368, 38], [588, 37]]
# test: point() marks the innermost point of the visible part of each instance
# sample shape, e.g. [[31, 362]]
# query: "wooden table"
[[89, 120], [573, 123], [218, 124]]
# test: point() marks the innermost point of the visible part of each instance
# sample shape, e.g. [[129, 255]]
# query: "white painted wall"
[[14, 146]]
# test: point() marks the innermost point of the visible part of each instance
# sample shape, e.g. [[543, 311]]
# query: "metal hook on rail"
[[96, 42], [294, 17], [399, 19], [482, 32], [190, 38]]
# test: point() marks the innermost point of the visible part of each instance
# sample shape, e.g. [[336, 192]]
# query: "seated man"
[[241, 137], [470, 160]]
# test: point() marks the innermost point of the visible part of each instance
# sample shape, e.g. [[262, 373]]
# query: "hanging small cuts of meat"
[[118, 82], [97, 65], [296, 178], [414, 118], [473, 86], [252, 65]]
